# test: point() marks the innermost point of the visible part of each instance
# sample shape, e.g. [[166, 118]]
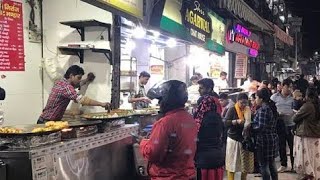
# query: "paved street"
[[282, 176]]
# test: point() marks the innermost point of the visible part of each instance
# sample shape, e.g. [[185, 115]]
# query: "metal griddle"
[[27, 130], [83, 123]]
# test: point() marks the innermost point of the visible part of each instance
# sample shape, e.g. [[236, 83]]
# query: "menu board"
[[241, 66], [11, 36]]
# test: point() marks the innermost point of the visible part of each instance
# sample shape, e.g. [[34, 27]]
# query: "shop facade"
[[201, 32], [74, 33], [244, 47]]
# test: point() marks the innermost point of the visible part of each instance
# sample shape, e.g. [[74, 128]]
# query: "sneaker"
[[282, 169]]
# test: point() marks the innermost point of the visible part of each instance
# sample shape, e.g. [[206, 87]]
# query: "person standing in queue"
[[63, 92], [285, 124], [210, 154], [139, 99], [171, 146]]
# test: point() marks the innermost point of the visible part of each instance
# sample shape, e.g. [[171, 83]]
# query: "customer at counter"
[[171, 147], [62, 92], [139, 99]]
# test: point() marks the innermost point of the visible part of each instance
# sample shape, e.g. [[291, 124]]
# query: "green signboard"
[[190, 20]]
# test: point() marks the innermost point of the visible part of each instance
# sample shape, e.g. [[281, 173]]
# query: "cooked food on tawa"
[[51, 126], [10, 130]]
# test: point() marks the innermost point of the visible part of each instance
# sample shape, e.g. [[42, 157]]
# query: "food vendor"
[[139, 99], [221, 83], [62, 92]]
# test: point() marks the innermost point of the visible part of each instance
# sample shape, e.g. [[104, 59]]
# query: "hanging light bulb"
[[153, 49], [130, 45], [139, 32], [171, 43], [156, 34]]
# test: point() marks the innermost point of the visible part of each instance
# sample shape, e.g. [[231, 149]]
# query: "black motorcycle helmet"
[[2, 94], [171, 94]]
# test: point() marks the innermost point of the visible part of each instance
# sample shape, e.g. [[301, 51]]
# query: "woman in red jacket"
[[171, 147]]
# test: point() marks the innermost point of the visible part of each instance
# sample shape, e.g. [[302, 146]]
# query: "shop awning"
[[281, 35], [244, 11]]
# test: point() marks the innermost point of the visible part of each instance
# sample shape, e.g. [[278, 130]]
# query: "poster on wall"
[[11, 36], [241, 66], [157, 69]]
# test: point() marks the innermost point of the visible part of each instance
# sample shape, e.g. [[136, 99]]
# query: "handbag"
[[248, 143]]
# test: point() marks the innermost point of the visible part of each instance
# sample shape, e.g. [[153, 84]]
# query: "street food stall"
[[99, 146]]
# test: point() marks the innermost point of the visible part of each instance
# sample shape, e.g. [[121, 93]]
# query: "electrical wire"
[[32, 5]]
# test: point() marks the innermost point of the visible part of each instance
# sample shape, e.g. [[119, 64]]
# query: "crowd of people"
[[243, 137]]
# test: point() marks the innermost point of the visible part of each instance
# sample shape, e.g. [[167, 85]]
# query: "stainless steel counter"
[[102, 156]]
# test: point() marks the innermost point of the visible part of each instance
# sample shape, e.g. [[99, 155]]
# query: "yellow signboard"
[[132, 7]]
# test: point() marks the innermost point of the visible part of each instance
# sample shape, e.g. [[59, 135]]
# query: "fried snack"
[[37, 130], [51, 126], [10, 130], [50, 123]]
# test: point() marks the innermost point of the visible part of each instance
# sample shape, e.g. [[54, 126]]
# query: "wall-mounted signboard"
[[133, 8], [191, 21], [241, 40]]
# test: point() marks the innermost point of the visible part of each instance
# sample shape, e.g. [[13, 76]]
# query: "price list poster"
[[11, 36]]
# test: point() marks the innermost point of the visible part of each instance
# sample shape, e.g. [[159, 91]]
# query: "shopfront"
[[201, 30], [244, 45]]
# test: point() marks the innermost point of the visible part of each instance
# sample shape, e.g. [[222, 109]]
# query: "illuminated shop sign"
[[241, 35], [196, 20], [242, 30], [192, 21]]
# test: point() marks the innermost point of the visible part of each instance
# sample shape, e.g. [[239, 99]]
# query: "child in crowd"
[[297, 100]]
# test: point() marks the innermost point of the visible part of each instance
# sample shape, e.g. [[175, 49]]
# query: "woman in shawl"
[[237, 120], [210, 155]]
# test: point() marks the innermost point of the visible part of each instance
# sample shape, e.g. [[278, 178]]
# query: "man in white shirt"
[[246, 85], [221, 83], [193, 90]]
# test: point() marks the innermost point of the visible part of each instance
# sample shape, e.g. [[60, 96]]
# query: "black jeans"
[[286, 135], [268, 168]]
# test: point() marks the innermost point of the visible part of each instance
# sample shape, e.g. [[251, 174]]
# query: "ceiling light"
[[171, 42], [153, 49], [139, 32], [156, 34], [130, 45]]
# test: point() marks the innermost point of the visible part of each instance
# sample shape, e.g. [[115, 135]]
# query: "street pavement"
[[282, 176]]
